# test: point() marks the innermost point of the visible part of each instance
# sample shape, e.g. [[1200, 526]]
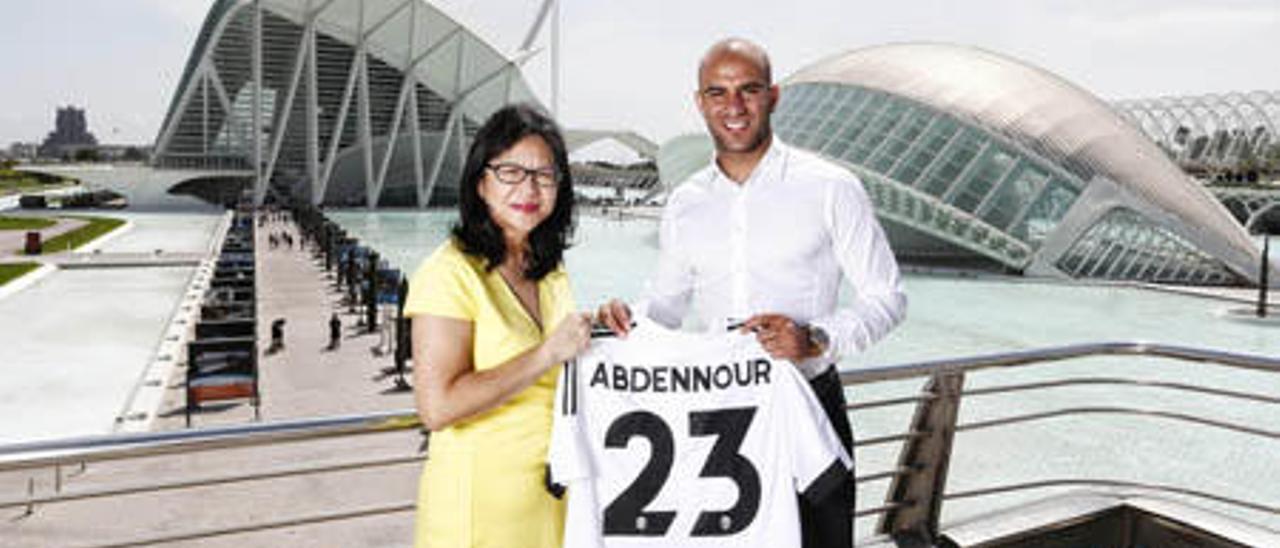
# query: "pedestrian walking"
[[277, 336], [335, 331]]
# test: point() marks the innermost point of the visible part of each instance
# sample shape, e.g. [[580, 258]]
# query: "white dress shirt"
[[779, 242]]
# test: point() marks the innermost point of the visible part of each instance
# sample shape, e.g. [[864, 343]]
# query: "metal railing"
[[911, 508], [913, 505]]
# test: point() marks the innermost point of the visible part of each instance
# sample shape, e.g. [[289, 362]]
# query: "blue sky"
[[630, 63]]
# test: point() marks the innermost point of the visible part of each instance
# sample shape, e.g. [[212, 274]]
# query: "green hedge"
[[14, 182], [25, 223], [12, 271], [97, 227]]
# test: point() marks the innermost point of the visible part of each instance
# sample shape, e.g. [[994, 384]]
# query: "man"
[[277, 336], [760, 240], [335, 331]]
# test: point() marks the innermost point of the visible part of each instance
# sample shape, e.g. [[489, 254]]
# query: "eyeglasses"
[[516, 174]]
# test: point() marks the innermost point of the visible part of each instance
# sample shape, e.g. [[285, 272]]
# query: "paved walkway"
[[303, 380], [117, 260], [12, 242]]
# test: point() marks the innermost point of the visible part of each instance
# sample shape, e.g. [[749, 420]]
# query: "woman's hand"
[[569, 339], [448, 388], [616, 316]]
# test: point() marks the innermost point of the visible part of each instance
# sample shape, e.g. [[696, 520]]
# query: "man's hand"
[[781, 337], [616, 316]]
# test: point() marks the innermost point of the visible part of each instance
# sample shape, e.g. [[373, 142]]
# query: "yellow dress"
[[483, 482]]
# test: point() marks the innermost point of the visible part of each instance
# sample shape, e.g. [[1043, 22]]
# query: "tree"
[[87, 155], [1247, 162], [1197, 147], [133, 154], [1270, 161]]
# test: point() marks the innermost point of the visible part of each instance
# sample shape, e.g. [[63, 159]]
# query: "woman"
[[492, 316]]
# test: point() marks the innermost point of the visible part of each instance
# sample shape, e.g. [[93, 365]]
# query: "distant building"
[[22, 151], [70, 130], [112, 153]]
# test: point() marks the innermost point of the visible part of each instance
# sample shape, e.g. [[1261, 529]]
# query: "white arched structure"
[[385, 92], [973, 158], [1216, 130]]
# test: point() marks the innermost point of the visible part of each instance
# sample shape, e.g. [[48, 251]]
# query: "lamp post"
[[403, 339], [1263, 273]]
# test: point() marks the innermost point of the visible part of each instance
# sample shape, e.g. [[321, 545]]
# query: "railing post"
[[31, 495], [916, 498]]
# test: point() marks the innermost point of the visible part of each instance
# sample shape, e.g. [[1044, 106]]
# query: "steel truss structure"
[[1218, 130], [1249, 205], [642, 176], [347, 102]]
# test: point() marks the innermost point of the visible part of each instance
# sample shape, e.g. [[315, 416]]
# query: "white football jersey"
[[680, 440]]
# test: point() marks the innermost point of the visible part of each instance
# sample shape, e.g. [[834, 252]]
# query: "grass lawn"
[[97, 227], [13, 182], [11, 271], [25, 223]]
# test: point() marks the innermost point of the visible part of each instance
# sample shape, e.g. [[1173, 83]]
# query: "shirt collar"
[[769, 169]]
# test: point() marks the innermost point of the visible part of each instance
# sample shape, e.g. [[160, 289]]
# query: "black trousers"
[[829, 523]]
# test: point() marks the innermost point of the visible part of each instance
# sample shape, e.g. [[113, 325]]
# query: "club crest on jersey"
[[683, 378]]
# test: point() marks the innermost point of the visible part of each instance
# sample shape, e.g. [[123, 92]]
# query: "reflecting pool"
[[956, 316], [74, 344]]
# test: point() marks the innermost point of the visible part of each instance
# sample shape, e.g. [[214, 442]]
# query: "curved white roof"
[[412, 36], [1042, 112], [390, 27], [580, 138]]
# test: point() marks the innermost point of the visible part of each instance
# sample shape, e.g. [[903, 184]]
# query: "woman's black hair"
[[476, 232]]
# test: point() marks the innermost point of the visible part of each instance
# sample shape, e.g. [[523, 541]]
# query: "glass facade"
[[977, 189], [359, 103], [930, 170], [1122, 245]]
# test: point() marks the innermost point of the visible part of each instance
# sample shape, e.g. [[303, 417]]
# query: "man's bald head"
[[736, 96], [737, 47]]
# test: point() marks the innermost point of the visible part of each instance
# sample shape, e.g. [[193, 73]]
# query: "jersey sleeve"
[[819, 463], [442, 286], [567, 458]]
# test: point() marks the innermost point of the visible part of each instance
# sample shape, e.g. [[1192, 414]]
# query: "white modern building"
[[344, 102], [975, 159]]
